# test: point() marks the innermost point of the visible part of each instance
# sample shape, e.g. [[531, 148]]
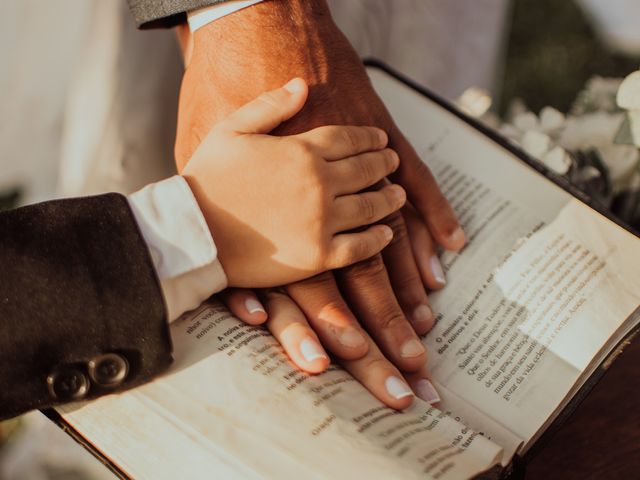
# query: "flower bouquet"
[[595, 146]]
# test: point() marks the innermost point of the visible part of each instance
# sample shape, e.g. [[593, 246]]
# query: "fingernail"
[[427, 392], [412, 348], [351, 338], [423, 314], [397, 388], [311, 350], [457, 236], [253, 306], [436, 269], [294, 86]]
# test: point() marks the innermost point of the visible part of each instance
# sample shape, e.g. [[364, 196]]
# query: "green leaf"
[[624, 135], [9, 199], [629, 92], [629, 133]]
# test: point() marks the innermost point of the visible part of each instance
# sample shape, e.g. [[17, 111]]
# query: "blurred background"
[[88, 105]]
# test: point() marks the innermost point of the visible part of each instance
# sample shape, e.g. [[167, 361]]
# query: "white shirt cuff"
[[203, 16], [182, 249]]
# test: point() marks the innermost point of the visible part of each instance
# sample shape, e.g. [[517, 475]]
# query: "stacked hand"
[[282, 208], [369, 314]]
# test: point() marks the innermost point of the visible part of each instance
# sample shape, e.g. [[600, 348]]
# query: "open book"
[[536, 307]]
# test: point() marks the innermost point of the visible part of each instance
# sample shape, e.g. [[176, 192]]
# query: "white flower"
[[558, 160], [629, 92], [590, 131], [622, 161], [536, 143], [599, 95]]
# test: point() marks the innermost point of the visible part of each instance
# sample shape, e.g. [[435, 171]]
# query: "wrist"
[[182, 250], [263, 46]]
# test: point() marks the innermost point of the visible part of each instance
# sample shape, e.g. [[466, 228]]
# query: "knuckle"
[[366, 208], [365, 170], [443, 214], [322, 282], [367, 137], [440, 202], [335, 309], [302, 150], [373, 363], [270, 99], [274, 294], [390, 317], [398, 226], [408, 285], [422, 171], [349, 138], [324, 136], [314, 289], [373, 136], [358, 250], [371, 269]]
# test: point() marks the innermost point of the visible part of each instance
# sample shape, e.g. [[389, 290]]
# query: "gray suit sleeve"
[[164, 13]]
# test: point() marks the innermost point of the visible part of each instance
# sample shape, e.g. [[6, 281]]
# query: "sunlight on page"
[[543, 290]]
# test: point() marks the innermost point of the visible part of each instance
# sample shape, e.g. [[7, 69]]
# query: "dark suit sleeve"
[[164, 13], [81, 310]]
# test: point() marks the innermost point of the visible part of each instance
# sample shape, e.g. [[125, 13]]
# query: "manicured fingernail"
[[311, 350], [423, 314], [397, 388], [427, 392], [436, 269], [294, 86], [457, 236], [351, 338], [412, 348], [253, 306]]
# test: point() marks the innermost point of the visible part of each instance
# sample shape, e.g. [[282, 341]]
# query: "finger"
[[268, 110], [381, 378], [405, 278], [353, 211], [366, 288], [245, 305], [329, 316], [424, 250], [349, 248], [425, 195], [335, 142], [423, 387], [354, 174], [289, 326]]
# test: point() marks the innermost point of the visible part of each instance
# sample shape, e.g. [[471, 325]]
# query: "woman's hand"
[[304, 342]]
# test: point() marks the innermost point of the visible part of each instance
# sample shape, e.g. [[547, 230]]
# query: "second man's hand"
[[257, 49]]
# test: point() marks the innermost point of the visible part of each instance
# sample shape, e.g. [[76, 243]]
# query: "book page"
[[234, 401], [539, 290], [542, 285]]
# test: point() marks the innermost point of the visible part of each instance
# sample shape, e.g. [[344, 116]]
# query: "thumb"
[[269, 110]]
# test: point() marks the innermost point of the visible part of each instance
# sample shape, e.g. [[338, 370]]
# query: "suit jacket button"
[[108, 370], [68, 384]]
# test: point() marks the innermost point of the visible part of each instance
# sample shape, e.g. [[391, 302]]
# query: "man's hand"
[[253, 50]]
